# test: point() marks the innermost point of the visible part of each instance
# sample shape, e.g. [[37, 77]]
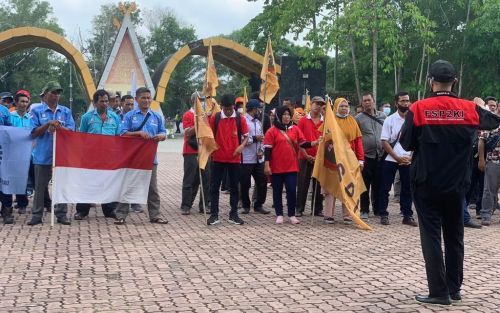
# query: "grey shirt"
[[371, 131]]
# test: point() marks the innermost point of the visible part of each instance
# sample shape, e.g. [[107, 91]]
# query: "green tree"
[[31, 68], [167, 36]]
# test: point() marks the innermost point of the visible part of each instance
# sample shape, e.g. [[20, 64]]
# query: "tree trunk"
[[395, 79], [462, 63], [374, 64], [355, 66]]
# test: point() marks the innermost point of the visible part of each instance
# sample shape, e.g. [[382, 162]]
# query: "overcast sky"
[[209, 17]]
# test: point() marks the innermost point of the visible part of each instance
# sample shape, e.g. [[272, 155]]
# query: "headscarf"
[[348, 124], [279, 114]]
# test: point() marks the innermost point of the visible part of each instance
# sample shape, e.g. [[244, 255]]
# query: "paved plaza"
[[185, 266]]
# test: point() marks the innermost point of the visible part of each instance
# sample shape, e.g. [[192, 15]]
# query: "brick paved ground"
[[95, 266]]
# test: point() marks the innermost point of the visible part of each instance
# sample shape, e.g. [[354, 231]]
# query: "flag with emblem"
[[337, 169], [270, 85], [91, 168]]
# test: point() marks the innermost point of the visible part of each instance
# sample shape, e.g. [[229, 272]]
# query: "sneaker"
[[364, 216], [235, 219], [279, 220], [328, 220], [185, 212], [471, 224], [409, 221], [136, 208], [78, 217], [212, 220], [34, 221], [384, 220], [347, 220], [294, 220], [245, 211], [485, 222]]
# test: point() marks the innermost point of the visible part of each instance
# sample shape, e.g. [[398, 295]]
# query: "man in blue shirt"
[[101, 121], [45, 119], [147, 124]]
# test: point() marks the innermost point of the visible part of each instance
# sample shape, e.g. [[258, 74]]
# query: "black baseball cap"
[[442, 71]]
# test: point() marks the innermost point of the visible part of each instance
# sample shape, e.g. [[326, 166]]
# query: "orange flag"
[[211, 81], [206, 141], [307, 108], [337, 169], [270, 86]]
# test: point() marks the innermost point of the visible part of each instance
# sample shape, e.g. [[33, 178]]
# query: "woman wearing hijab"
[[352, 133], [281, 143]]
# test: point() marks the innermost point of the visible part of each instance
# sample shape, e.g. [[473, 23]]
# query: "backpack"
[[238, 124]]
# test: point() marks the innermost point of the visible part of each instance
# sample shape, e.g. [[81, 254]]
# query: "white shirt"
[[390, 133]]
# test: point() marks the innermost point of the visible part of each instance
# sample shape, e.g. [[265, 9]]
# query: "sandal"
[[120, 221], [158, 220]]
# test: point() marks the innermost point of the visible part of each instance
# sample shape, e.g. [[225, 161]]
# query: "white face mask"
[[240, 110], [387, 110]]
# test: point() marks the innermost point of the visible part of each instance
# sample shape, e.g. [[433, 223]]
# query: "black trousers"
[[108, 209], [436, 213], [191, 183], [303, 181], [257, 172], [372, 177], [217, 172]]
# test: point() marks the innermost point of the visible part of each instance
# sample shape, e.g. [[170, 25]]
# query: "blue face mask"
[[387, 110]]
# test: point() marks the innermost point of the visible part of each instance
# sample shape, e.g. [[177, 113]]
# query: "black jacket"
[[440, 131]]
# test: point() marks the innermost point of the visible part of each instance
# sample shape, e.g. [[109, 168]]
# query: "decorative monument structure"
[[126, 67]]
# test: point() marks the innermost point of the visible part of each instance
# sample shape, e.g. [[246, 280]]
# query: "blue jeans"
[[388, 173], [290, 182], [466, 213]]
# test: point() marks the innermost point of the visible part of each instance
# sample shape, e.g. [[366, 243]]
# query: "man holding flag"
[[147, 124], [100, 121], [191, 179], [45, 120]]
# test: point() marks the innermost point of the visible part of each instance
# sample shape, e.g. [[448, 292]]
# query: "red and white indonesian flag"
[[101, 169]]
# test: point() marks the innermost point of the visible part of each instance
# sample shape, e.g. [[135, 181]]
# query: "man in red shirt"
[[309, 125], [231, 134], [191, 180]]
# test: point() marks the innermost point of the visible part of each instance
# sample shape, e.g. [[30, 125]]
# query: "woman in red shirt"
[[352, 133], [281, 143]]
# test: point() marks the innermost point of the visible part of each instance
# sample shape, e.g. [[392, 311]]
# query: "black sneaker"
[[34, 221], [64, 221], [212, 220], [409, 221], [384, 220], [235, 219]]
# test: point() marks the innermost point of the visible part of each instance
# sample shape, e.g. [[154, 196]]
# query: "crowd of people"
[[441, 155], [282, 152]]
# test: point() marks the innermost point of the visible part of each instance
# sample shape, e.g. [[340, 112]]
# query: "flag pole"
[[265, 92], [315, 187], [202, 193], [53, 179]]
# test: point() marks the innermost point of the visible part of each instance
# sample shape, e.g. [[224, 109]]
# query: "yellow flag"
[[211, 80], [270, 86], [206, 141], [307, 108], [245, 99], [337, 169]]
